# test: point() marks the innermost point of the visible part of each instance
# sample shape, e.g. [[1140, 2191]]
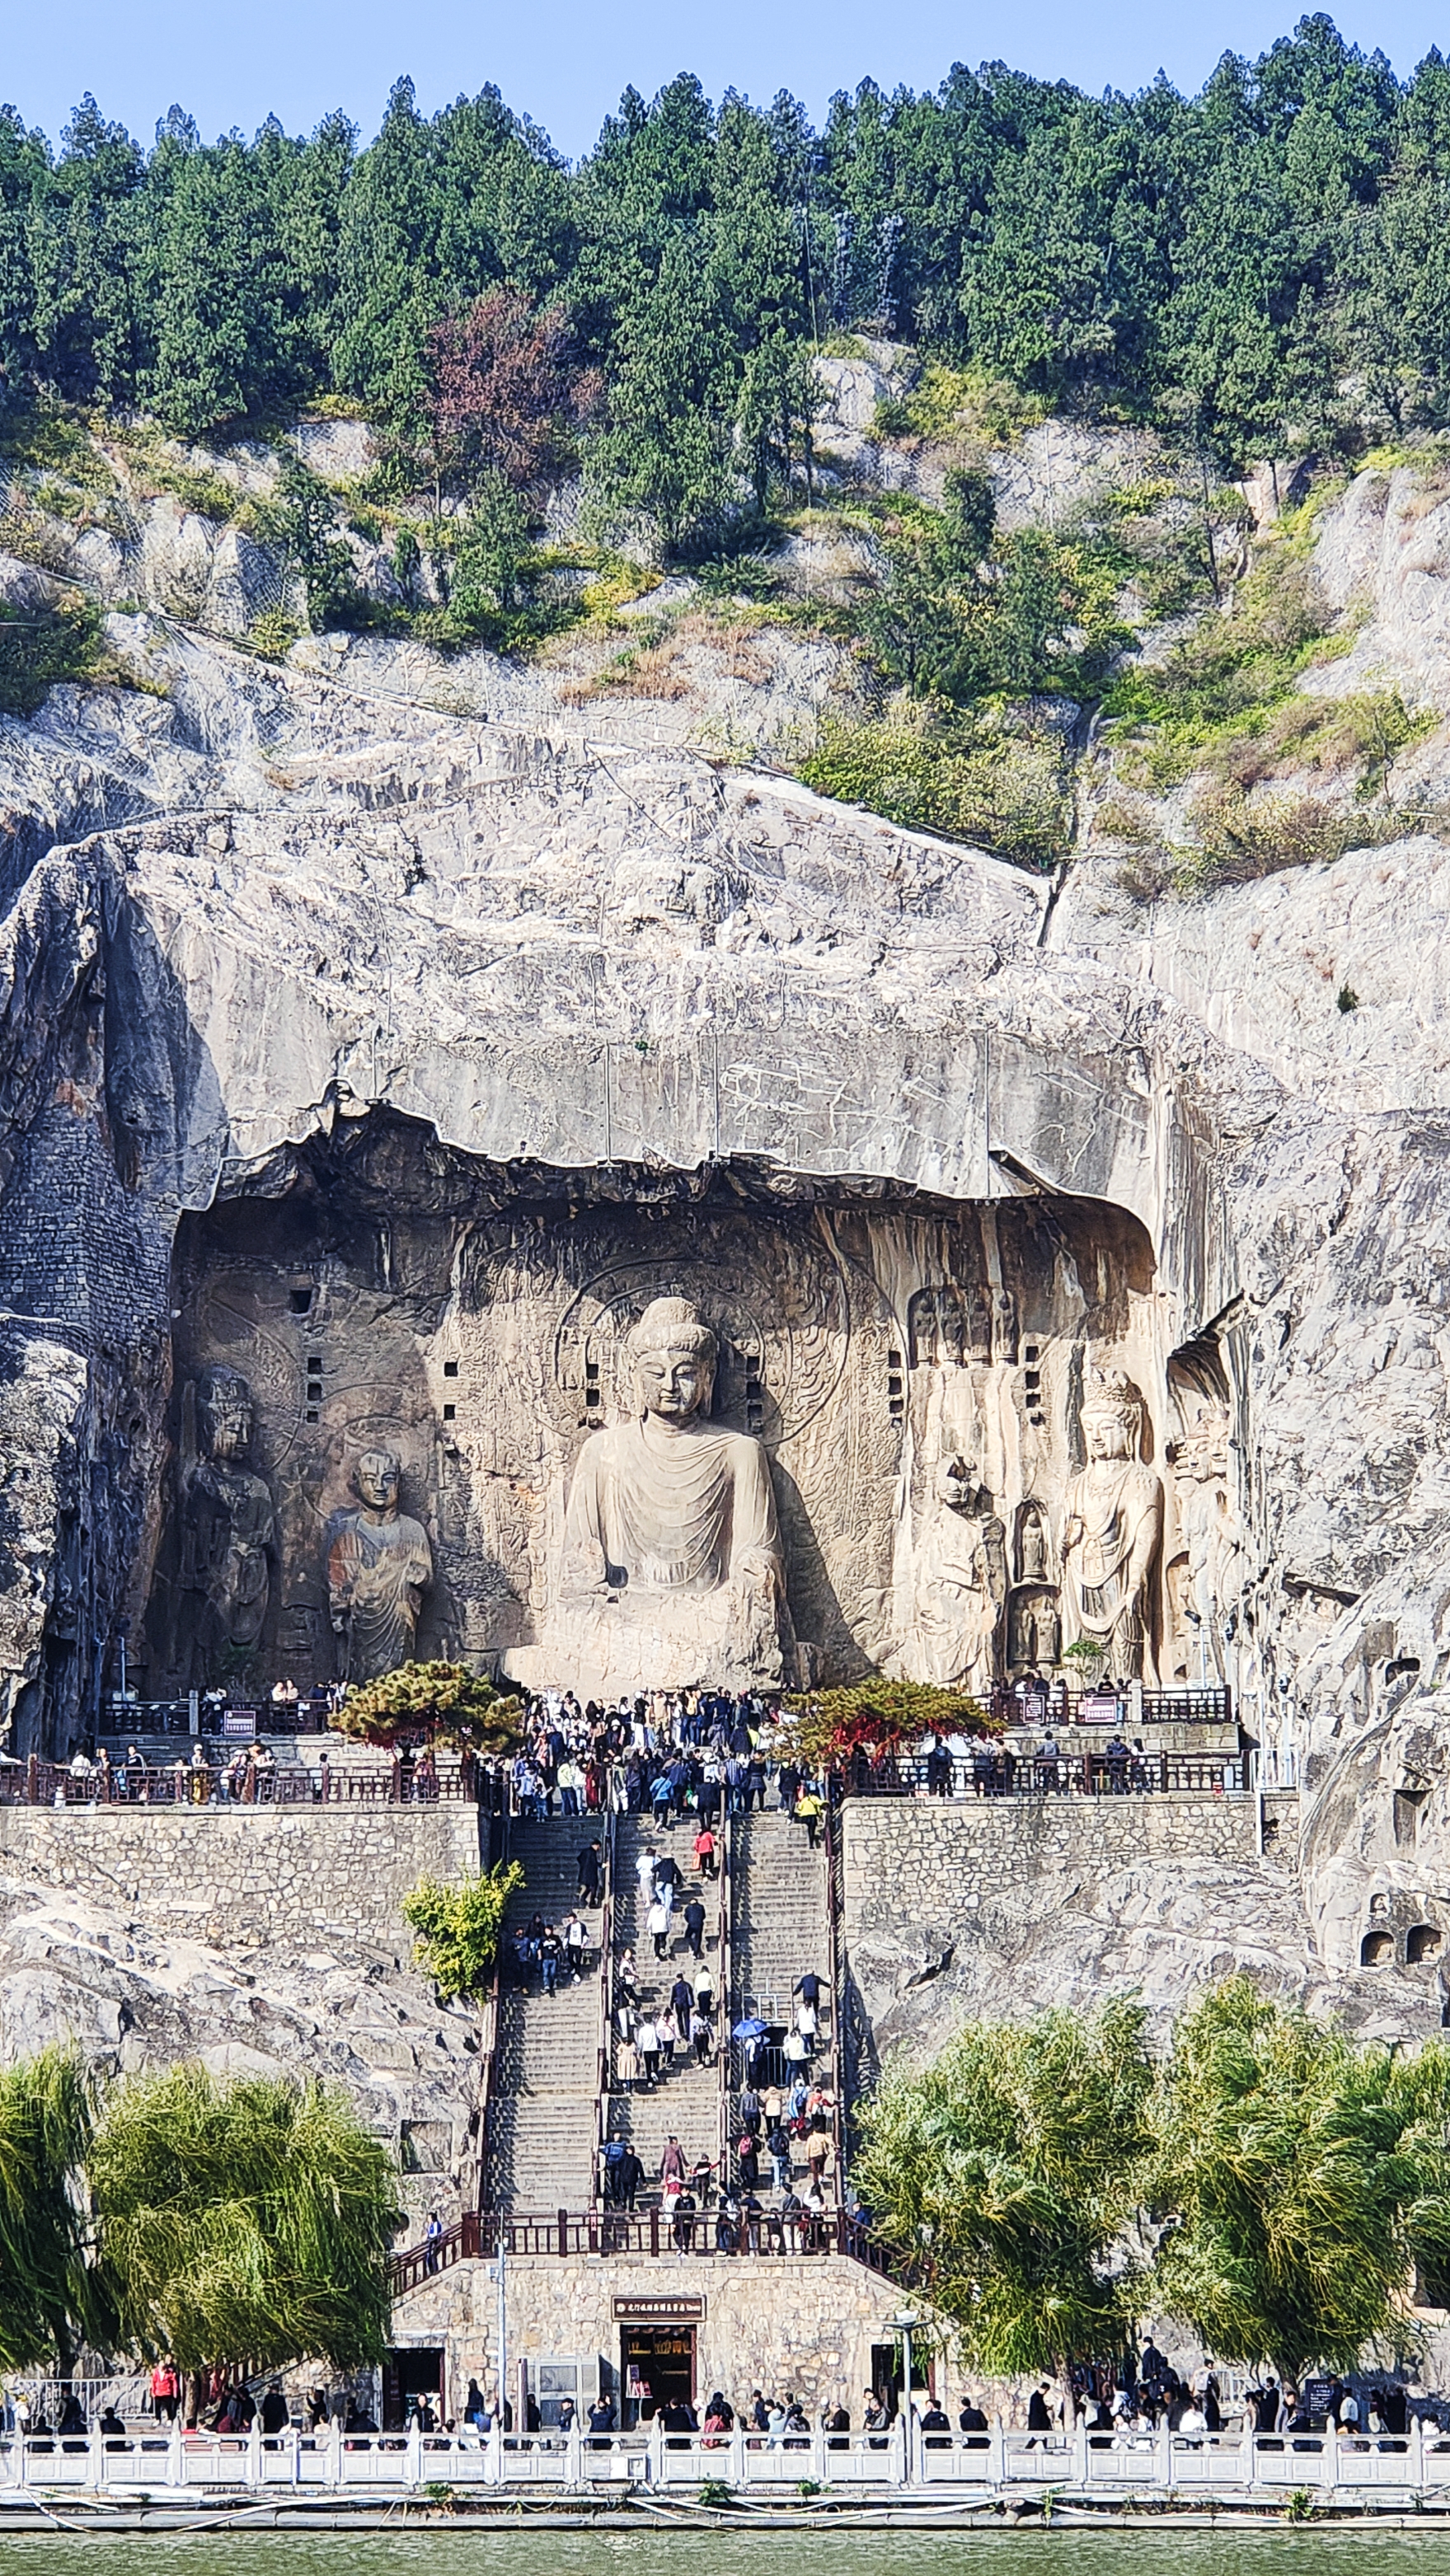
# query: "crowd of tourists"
[[668, 1754]]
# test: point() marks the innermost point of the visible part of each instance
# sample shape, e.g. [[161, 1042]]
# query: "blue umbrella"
[[750, 2029]]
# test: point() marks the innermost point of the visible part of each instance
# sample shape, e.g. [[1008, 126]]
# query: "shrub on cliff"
[[458, 1926], [437, 1699], [39, 646]]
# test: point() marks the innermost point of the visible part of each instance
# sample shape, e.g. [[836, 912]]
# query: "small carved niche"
[[1408, 1803], [949, 1326]]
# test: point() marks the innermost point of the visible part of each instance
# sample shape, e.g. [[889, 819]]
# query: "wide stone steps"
[[780, 1926], [544, 2104]]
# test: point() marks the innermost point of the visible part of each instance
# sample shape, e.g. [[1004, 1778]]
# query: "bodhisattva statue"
[[672, 1572], [379, 1565], [228, 1525], [1112, 1530], [962, 1586]]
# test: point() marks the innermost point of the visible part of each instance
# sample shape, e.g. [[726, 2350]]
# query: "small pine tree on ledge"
[[446, 1701]]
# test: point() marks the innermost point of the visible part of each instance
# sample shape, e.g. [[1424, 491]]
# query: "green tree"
[[300, 522], [244, 2221], [1299, 2178], [458, 1926], [1009, 2169], [48, 2303], [446, 1699], [491, 551]]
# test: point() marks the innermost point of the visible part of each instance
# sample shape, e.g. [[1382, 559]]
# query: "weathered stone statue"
[[1211, 1577], [962, 1586], [672, 1571], [1112, 1529], [1034, 1629], [379, 1565], [228, 1527]]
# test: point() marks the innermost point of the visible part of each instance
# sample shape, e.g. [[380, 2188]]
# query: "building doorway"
[[412, 2378], [657, 2368], [887, 2367]]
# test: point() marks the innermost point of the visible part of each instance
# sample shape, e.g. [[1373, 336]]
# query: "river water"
[[640, 2551]]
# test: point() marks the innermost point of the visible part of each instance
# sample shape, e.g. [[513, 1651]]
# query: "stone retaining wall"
[[913, 1859], [963, 1908], [242, 1877]]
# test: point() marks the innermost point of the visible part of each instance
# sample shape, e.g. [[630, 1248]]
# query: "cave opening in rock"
[[915, 1371]]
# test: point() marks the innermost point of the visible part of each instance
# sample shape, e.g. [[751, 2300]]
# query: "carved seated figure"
[[672, 1571]]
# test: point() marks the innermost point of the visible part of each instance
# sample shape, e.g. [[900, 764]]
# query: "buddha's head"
[[375, 1479], [673, 1351], [224, 1413], [1112, 1416]]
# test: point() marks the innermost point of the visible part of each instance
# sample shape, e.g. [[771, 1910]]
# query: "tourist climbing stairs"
[[780, 1929], [545, 2076], [686, 2101]]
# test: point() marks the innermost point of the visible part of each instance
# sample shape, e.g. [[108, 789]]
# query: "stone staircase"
[[543, 2109], [687, 2101], [780, 1929]]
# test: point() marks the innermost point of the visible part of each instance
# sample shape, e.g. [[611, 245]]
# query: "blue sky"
[[566, 63]]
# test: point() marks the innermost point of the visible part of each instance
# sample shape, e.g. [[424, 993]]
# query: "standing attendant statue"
[[379, 1565], [1113, 1529], [228, 1524]]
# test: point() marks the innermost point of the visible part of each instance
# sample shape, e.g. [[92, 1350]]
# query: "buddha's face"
[[226, 1418], [673, 1383], [1108, 1434], [375, 1479]]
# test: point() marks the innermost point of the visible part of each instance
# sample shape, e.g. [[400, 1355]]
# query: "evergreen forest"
[[1265, 266]]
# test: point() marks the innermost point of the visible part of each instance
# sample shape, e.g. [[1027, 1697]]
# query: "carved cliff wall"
[[640, 988], [471, 1319]]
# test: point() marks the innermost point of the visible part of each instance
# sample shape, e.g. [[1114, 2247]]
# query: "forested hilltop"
[[1005, 460], [1267, 263]]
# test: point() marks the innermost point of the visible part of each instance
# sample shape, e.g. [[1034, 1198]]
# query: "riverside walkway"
[[1163, 2467]]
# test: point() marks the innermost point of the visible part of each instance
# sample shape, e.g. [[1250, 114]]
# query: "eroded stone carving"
[[379, 1565], [962, 1586], [672, 1569], [228, 1528], [1205, 1581], [1112, 1529]]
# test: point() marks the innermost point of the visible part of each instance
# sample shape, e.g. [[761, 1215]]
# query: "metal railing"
[[993, 1771], [725, 1991], [217, 1785], [603, 2055], [836, 1974], [123, 1720], [461, 2243], [562, 2234]]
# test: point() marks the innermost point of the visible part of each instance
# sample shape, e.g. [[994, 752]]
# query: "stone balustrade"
[[1166, 2466]]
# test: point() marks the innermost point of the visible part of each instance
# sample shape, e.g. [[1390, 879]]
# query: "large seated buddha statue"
[[672, 1573]]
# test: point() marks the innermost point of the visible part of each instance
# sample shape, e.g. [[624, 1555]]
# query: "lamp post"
[[904, 2323]]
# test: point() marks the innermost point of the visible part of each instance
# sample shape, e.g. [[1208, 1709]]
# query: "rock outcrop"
[[258, 912]]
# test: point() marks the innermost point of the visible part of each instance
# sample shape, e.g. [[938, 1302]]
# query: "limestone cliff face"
[[249, 918]]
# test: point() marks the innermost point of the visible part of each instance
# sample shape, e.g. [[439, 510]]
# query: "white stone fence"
[[999, 2463]]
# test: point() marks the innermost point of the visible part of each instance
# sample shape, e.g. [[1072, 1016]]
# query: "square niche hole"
[[450, 1368], [425, 2146], [450, 1412], [300, 1301]]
